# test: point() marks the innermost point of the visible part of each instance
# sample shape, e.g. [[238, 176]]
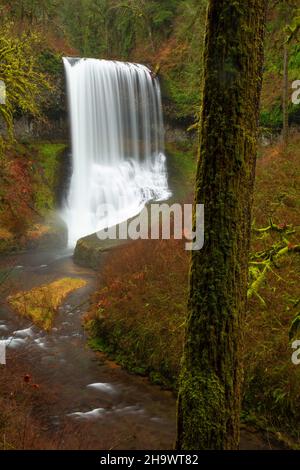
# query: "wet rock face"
[[87, 253], [89, 250], [176, 134], [55, 122], [56, 127]]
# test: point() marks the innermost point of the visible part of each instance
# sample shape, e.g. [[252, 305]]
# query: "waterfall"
[[117, 144]]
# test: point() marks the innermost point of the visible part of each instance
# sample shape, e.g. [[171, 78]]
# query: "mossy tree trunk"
[[210, 382]]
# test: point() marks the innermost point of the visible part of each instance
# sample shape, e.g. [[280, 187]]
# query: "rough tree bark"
[[209, 389]]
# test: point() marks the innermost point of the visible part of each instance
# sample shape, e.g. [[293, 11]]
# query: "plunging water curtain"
[[117, 144]]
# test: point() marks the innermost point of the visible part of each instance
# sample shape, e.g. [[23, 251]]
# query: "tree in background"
[[181, 61], [282, 56], [113, 28], [31, 11], [161, 33], [210, 382]]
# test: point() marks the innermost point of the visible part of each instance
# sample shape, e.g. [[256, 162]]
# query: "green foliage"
[[185, 78], [167, 32], [263, 262], [51, 62], [110, 28], [272, 117], [141, 30], [20, 72], [294, 62], [282, 29], [295, 325], [32, 11], [182, 168], [294, 28], [47, 165], [24, 83]]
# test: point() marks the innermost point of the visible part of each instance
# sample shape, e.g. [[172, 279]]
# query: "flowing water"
[[93, 401], [118, 160], [87, 401], [117, 144]]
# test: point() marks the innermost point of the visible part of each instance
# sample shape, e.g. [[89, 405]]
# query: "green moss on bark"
[[209, 393]]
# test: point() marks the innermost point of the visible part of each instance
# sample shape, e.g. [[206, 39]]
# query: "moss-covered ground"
[[41, 304]]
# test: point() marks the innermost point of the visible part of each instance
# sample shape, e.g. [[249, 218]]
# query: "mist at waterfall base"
[[117, 134]]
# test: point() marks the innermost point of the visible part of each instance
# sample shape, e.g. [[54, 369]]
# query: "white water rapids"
[[117, 144]]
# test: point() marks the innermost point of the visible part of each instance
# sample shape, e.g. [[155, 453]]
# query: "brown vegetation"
[[139, 311]]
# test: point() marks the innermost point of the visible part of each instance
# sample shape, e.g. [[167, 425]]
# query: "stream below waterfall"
[[92, 400], [109, 407]]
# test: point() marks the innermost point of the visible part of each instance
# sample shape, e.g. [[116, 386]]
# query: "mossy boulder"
[[89, 250]]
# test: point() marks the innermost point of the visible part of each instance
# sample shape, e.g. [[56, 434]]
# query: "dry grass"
[[25, 408], [41, 303], [140, 313], [18, 395], [272, 382]]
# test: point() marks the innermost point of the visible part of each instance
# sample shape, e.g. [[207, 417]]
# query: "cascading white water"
[[117, 144]]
